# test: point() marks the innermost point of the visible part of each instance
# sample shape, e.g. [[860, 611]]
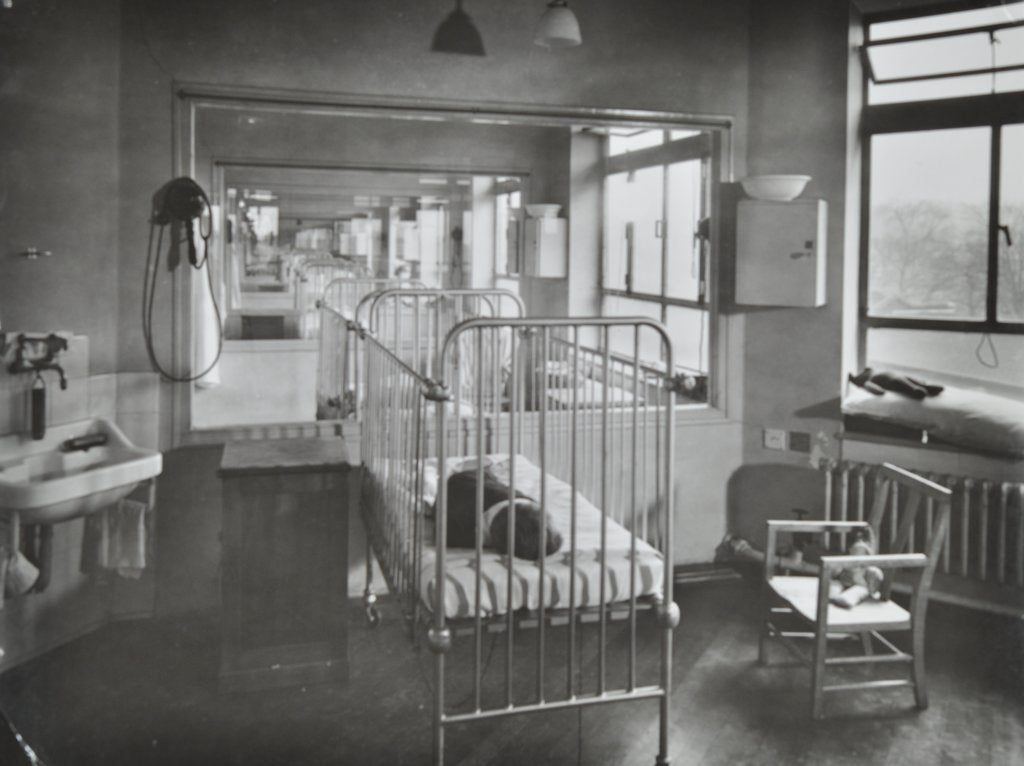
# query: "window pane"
[[1010, 306], [633, 241], [616, 233], [995, 364], [929, 224], [682, 279], [620, 142], [688, 329], [941, 55], [958, 53], [621, 339], [941, 22]]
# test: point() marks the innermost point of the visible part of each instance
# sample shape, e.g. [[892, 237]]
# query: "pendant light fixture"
[[558, 27], [458, 34]]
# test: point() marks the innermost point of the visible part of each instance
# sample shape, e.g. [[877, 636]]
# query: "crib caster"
[[370, 607], [668, 614]]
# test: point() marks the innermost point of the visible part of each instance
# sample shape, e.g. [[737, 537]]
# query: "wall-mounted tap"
[[35, 354], [38, 352]]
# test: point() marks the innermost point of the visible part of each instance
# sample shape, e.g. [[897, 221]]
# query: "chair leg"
[[818, 671], [762, 642], [765, 631], [920, 690], [865, 640]]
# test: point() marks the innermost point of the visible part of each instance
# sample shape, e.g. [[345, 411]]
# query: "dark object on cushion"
[[880, 382], [461, 526]]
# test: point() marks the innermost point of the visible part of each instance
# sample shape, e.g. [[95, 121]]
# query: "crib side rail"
[[312, 279], [414, 322], [340, 362], [393, 445]]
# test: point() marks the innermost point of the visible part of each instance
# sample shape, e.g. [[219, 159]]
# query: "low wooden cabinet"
[[284, 562]]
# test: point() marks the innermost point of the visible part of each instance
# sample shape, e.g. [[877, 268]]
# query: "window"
[[656, 237], [508, 221], [943, 250]]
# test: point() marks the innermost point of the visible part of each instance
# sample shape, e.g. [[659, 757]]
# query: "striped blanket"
[[559, 568]]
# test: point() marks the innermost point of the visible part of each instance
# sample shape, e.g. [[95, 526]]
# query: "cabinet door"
[[547, 247], [780, 253]]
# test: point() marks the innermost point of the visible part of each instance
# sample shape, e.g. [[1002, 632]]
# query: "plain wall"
[[792, 358], [59, 71]]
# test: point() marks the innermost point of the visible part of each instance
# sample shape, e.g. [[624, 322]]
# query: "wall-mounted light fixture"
[[458, 34], [558, 27]]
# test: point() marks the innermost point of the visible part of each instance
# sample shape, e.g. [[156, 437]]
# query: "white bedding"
[[460, 589], [958, 416]]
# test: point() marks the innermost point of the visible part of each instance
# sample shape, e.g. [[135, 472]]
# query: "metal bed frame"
[[413, 322], [616, 451], [342, 314]]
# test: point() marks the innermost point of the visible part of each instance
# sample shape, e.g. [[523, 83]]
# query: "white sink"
[[43, 484]]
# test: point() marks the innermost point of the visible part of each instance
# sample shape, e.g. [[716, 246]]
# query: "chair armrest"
[[774, 527], [815, 526], [880, 560]]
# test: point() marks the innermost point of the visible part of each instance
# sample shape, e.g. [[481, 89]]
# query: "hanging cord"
[[986, 340], [149, 293]]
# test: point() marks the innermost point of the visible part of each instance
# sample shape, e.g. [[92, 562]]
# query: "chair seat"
[[802, 594]]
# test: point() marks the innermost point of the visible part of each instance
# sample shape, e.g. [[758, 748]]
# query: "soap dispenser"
[[38, 407]]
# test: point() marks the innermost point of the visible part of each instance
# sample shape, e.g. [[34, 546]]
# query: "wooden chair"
[[805, 600]]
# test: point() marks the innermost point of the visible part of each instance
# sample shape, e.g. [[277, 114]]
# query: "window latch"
[[1006, 233]]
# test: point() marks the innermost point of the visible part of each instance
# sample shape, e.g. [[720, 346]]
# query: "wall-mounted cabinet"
[[780, 252], [547, 247]]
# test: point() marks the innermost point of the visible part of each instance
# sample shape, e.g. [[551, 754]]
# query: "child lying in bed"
[[462, 494]]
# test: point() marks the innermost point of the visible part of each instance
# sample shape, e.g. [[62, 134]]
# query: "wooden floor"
[[145, 693]]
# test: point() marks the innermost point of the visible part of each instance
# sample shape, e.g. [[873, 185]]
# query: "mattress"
[[958, 416], [527, 587]]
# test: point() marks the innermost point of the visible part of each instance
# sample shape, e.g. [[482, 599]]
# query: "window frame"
[[706, 147], [993, 111], [505, 186]]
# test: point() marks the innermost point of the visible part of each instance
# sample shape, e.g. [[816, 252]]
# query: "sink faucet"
[[38, 367], [41, 357]]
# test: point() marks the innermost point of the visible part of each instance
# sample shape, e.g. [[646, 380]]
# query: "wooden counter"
[[284, 562]]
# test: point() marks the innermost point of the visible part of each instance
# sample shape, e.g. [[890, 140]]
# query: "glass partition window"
[[508, 224], [656, 236]]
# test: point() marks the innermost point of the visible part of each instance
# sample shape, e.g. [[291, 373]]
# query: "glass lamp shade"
[[558, 27], [458, 34]]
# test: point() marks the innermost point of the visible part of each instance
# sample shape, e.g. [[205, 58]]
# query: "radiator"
[[982, 562]]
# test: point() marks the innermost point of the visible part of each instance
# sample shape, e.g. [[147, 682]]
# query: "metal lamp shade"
[[458, 34], [558, 27]]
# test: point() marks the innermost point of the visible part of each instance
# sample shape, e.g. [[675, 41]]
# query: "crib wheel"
[[372, 615]]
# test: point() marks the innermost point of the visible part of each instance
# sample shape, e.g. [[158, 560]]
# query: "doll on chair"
[[854, 584]]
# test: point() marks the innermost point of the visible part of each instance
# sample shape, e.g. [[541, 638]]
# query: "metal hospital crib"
[[586, 432]]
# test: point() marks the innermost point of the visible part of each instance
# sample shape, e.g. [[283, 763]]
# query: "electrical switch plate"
[[774, 438], [799, 441]]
